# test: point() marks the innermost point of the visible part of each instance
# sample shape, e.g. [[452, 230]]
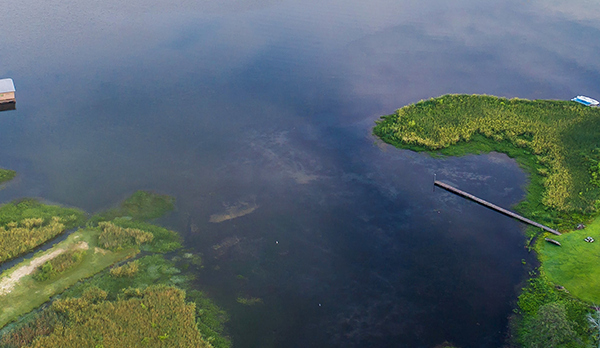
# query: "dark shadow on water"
[[8, 106]]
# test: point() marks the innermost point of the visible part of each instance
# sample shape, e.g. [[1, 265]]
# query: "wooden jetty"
[[494, 207]]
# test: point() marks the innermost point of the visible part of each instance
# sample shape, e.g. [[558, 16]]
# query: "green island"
[[558, 145], [6, 175], [93, 289]]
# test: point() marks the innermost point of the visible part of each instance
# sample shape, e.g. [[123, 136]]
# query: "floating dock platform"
[[494, 207]]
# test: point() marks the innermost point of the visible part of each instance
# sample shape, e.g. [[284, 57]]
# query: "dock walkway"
[[493, 206]]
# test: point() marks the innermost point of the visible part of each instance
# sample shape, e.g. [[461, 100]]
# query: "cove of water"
[[262, 111]]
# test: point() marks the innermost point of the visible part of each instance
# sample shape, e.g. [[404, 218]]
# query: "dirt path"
[[8, 283]]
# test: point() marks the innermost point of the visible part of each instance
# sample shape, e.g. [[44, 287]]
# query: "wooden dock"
[[494, 207]]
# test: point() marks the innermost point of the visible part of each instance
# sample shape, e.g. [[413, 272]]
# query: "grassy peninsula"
[[558, 144]]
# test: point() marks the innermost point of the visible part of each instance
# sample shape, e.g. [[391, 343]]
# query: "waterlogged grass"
[[576, 264], [164, 240], [6, 175], [30, 208], [29, 293], [141, 206]]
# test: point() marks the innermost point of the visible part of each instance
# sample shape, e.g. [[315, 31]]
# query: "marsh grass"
[[157, 316], [21, 209], [163, 240], [29, 293], [27, 224], [155, 269]]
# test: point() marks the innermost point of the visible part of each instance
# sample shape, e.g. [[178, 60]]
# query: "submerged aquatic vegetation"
[[140, 206], [6, 175]]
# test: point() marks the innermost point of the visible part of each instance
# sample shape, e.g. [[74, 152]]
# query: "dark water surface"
[[267, 106]]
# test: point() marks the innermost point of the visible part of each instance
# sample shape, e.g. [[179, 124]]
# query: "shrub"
[[58, 265], [127, 270], [114, 237]]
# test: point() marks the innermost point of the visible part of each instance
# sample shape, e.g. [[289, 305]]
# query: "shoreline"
[[457, 125]]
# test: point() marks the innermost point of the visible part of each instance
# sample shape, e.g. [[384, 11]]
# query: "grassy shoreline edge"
[[553, 141]]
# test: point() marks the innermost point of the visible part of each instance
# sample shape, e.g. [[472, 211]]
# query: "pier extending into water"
[[493, 206]]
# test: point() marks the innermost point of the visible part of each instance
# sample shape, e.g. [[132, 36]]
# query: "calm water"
[[268, 105]]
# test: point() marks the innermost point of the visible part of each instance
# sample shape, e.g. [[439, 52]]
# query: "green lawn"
[[576, 264], [29, 294]]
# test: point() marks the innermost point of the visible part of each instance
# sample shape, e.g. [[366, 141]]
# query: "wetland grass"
[[6, 175]]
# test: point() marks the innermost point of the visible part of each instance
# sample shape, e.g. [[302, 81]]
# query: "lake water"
[[266, 108]]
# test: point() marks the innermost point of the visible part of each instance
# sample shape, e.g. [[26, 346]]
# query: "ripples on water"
[[258, 114]]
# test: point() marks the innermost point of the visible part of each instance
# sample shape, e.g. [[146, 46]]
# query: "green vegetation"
[[555, 140], [127, 270], [163, 240], [41, 324], [32, 209], [141, 206], [6, 175], [115, 237], [543, 307], [18, 238], [27, 224], [557, 143], [154, 269], [58, 265], [20, 292], [120, 307], [576, 264], [157, 316], [134, 213]]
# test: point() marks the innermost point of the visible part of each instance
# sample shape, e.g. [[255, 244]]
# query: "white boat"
[[586, 100]]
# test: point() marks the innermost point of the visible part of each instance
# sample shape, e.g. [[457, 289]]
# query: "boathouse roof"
[[7, 86]]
